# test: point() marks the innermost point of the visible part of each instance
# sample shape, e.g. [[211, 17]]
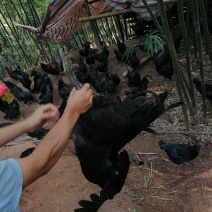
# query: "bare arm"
[[45, 113], [50, 149]]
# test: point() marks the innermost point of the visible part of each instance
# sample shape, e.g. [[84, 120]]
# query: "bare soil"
[[153, 182]]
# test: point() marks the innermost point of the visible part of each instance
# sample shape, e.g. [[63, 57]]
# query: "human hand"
[[80, 101], [43, 114]]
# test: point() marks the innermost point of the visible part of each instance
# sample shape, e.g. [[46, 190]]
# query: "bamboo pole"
[[196, 23], [174, 58], [122, 11], [186, 50], [206, 30]]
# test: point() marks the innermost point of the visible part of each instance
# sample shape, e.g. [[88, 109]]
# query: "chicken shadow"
[[93, 205]]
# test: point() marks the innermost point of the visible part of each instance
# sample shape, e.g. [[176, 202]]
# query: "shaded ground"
[[155, 185]]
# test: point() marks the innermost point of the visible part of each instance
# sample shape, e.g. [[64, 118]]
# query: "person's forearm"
[[12, 131], [51, 148]]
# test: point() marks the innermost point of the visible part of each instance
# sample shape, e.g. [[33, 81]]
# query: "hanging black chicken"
[[105, 129]]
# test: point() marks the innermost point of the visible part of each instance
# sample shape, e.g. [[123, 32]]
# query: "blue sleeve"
[[11, 181]]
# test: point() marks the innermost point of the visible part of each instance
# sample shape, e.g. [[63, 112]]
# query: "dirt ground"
[[153, 182]]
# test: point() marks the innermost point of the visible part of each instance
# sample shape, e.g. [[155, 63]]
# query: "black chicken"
[[25, 97], [13, 111], [63, 89], [19, 75], [121, 45], [91, 57], [39, 133], [93, 79], [38, 81], [120, 56], [84, 52], [179, 153], [82, 66], [111, 83], [47, 86], [134, 78], [163, 63], [11, 73], [23, 78], [133, 61], [19, 94], [103, 56], [105, 129], [3, 106], [14, 89], [81, 73], [24, 74], [208, 88], [46, 97], [102, 67], [25, 82], [82, 77], [138, 27], [139, 91]]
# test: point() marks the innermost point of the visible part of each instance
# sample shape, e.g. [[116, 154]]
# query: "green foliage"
[[129, 51], [134, 209], [154, 43], [138, 198]]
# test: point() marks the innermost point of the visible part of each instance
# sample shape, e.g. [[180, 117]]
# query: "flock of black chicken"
[[103, 131]]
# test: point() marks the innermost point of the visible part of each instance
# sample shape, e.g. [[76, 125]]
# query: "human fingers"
[[50, 112], [86, 86]]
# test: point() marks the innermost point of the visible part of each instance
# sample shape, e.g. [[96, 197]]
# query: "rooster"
[[51, 68], [105, 129]]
